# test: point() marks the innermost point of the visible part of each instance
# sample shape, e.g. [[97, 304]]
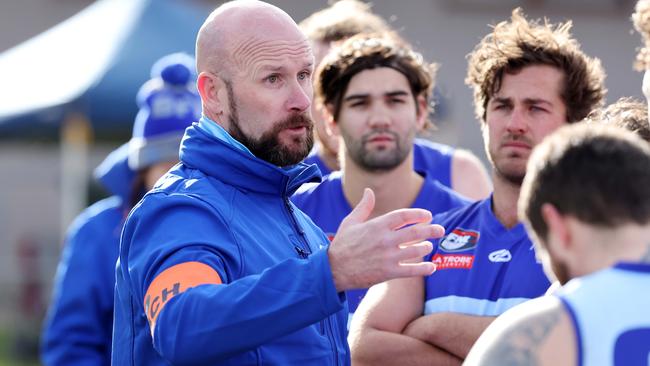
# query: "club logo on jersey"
[[459, 240], [500, 256], [451, 261]]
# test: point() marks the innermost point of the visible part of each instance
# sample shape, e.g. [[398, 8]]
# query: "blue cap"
[[169, 103]]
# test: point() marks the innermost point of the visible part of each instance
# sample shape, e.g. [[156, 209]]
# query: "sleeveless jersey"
[[483, 268], [610, 310], [327, 206]]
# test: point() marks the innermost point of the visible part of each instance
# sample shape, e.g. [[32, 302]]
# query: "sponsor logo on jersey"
[[500, 256], [449, 261], [459, 240]]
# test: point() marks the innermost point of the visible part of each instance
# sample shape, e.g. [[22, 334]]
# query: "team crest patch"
[[459, 240]]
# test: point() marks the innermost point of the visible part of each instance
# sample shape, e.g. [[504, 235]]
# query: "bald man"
[[217, 266]]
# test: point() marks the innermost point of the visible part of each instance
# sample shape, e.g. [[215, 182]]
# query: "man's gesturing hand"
[[365, 252]]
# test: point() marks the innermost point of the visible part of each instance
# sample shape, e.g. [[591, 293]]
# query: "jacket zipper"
[[302, 253]]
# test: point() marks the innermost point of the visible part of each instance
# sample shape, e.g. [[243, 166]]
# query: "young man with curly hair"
[[529, 78], [456, 168]]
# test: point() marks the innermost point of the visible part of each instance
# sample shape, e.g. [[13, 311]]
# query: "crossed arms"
[[389, 328]]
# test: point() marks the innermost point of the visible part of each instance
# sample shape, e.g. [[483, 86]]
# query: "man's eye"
[[304, 75], [272, 79]]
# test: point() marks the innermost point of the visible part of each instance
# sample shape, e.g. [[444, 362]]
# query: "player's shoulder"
[[465, 213], [428, 146], [538, 331], [316, 190]]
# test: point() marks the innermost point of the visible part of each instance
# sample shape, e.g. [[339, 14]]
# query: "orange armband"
[[173, 281]]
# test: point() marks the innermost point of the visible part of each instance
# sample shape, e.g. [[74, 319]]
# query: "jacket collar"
[[234, 167]]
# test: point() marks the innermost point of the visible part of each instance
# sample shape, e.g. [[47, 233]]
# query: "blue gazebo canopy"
[[92, 64]]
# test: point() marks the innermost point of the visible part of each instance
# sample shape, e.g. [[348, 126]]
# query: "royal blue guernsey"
[[326, 204], [483, 268], [610, 310]]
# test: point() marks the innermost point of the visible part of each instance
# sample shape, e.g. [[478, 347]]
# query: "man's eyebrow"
[[501, 100], [396, 93], [356, 97], [537, 101]]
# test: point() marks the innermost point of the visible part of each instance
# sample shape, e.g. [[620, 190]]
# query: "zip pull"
[[301, 252]]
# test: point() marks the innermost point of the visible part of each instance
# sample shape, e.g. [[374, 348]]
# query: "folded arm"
[[376, 335], [452, 332]]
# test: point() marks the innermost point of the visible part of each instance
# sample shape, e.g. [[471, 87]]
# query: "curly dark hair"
[[518, 43], [368, 51]]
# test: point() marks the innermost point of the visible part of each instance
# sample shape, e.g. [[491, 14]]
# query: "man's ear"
[[422, 112], [559, 235], [214, 94], [330, 122]]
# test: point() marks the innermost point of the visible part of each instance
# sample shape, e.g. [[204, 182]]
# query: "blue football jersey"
[[610, 310], [483, 268], [327, 206]]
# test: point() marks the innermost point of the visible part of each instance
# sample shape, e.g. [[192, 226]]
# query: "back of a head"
[[342, 20], [368, 51], [598, 174], [168, 104], [627, 113], [515, 44]]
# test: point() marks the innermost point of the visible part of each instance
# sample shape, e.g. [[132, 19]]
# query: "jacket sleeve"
[[79, 322], [226, 314]]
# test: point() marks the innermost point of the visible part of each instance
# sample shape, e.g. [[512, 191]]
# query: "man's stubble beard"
[[373, 161], [515, 178]]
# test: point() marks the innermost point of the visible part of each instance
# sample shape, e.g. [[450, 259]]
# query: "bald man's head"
[[231, 32]]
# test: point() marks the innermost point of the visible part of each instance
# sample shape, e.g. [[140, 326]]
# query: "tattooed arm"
[[538, 332]]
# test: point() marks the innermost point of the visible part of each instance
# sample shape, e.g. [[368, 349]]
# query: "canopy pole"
[[76, 135]]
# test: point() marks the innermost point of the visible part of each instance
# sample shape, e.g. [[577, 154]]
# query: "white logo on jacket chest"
[[501, 255]]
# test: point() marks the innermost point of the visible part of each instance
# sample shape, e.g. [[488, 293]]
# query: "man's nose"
[[300, 97], [379, 116], [517, 122]]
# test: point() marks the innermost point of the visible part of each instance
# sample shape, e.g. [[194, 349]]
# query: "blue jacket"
[[225, 269], [79, 323]]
